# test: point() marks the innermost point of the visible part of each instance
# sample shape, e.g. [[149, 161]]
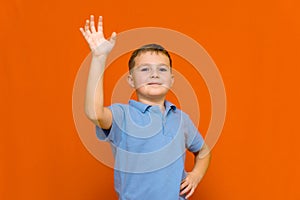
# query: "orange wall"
[[255, 45]]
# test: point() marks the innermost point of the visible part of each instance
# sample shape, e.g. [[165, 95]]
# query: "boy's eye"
[[163, 69], [145, 69]]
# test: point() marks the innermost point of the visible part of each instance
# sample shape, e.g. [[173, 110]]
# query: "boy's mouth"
[[153, 83]]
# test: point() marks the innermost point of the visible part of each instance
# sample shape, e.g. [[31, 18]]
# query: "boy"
[[148, 136]]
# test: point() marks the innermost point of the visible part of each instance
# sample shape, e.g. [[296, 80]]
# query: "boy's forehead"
[[152, 57]]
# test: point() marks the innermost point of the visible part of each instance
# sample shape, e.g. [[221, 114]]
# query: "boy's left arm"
[[202, 159]]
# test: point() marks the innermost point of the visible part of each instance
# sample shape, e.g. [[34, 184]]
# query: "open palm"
[[95, 38]]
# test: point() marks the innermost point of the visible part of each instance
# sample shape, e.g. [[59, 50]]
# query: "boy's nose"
[[154, 74]]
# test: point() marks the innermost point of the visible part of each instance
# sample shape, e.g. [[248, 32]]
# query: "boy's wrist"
[[101, 56], [197, 174]]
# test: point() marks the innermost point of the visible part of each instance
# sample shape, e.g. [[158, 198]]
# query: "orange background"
[[255, 45]]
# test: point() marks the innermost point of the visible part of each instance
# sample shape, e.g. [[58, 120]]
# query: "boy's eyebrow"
[[148, 64]]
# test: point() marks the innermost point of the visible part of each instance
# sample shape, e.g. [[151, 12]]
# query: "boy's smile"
[[151, 76]]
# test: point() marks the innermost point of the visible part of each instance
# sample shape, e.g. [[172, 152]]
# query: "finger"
[[82, 31], [92, 24], [87, 25], [188, 188], [113, 38], [100, 24], [87, 33], [190, 193], [184, 183]]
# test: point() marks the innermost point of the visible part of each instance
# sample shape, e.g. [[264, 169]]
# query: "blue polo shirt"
[[149, 149]]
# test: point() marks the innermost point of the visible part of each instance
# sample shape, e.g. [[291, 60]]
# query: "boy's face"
[[151, 75]]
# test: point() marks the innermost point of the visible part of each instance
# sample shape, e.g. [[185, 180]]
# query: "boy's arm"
[[201, 163], [100, 47]]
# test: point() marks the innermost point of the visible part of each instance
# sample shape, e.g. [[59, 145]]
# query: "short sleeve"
[[114, 133], [102, 134], [194, 139]]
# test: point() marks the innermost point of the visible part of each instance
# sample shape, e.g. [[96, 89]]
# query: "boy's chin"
[[153, 95], [153, 92]]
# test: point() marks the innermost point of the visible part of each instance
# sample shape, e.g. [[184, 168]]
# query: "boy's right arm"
[[100, 47]]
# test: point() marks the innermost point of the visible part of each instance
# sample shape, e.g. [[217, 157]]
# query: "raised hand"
[[95, 38]]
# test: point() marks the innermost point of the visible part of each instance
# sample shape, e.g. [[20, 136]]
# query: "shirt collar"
[[169, 106], [143, 107]]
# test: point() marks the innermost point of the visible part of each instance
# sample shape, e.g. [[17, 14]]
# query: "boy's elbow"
[[92, 115], [93, 118], [204, 152], [100, 118]]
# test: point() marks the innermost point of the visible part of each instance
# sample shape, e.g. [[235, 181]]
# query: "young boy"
[[148, 136]]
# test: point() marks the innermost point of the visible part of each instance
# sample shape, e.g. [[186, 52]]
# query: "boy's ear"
[[130, 81], [172, 80]]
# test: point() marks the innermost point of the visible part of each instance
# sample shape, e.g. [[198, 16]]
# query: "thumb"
[[113, 38]]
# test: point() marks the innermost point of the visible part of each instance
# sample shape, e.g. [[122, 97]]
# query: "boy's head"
[[154, 48], [150, 70]]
